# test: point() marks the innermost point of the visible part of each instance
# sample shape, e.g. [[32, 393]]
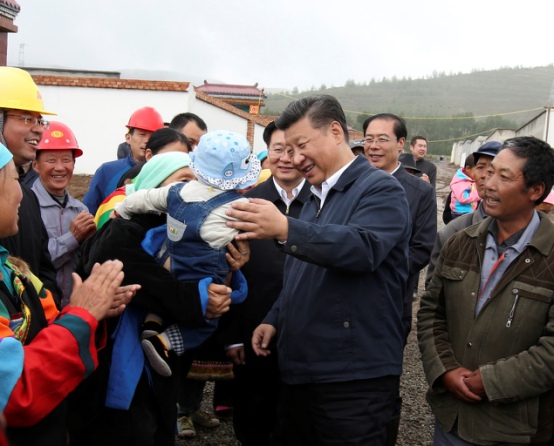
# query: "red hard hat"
[[146, 118], [59, 137]]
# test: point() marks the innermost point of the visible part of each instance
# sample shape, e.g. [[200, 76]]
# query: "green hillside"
[[495, 94]]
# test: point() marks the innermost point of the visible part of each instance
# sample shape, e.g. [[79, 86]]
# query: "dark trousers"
[[343, 413], [149, 421], [257, 387]]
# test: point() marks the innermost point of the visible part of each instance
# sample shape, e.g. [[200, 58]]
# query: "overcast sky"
[[286, 43]]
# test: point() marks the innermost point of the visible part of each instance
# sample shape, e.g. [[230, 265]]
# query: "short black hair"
[[415, 138], [182, 119], [470, 161], [268, 131], [164, 136], [539, 167], [320, 109], [399, 126]]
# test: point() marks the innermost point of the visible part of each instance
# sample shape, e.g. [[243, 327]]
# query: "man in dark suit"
[[257, 379], [384, 137], [418, 147]]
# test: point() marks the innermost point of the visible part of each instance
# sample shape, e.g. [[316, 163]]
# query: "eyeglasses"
[[32, 120], [278, 152], [380, 140]]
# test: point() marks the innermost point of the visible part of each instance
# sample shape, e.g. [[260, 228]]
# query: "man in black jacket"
[[384, 136], [21, 131], [257, 380]]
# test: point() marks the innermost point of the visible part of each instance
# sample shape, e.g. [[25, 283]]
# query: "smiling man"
[[418, 147], [142, 123], [482, 158], [67, 220], [21, 128], [384, 138], [257, 377], [337, 322], [486, 321]]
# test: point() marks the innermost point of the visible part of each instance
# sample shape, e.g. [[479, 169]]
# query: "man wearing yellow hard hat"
[[21, 128]]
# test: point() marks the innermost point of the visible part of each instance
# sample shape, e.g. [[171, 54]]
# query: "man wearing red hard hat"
[[67, 220], [142, 123]]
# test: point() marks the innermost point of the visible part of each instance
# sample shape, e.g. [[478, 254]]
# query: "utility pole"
[[21, 61]]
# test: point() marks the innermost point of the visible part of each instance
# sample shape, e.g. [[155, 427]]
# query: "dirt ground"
[[79, 186]]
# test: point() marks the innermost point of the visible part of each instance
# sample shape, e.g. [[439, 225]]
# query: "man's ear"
[[148, 154], [128, 136], [35, 165], [536, 191], [336, 130]]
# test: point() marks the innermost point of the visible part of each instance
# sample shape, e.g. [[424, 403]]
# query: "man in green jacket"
[[486, 321]]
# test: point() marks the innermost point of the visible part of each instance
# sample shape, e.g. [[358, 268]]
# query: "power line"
[[464, 137], [437, 118], [458, 117]]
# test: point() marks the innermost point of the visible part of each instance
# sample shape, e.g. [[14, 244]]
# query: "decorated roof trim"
[[102, 82]]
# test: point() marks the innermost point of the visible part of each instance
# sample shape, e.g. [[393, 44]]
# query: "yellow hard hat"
[[264, 176], [18, 91]]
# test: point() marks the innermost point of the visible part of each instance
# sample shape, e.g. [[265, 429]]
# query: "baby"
[[195, 240]]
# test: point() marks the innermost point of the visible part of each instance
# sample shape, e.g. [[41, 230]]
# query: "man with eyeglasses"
[[257, 378], [384, 138], [21, 129]]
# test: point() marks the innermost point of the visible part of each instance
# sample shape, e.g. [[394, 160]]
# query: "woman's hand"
[[97, 294], [123, 296], [219, 301], [237, 257]]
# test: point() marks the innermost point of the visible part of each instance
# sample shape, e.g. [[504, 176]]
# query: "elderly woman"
[[45, 354], [165, 140], [126, 403]]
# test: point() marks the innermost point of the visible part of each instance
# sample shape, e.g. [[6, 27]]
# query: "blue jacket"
[[339, 315], [104, 182]]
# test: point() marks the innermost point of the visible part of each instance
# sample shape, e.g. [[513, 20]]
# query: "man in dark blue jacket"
[[338, 319], [142, 123]]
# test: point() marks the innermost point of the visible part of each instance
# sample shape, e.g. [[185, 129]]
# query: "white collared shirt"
[[283, 193], [397, 167], [323, 191]]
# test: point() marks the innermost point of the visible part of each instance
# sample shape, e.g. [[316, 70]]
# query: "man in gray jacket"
[[486, 321]]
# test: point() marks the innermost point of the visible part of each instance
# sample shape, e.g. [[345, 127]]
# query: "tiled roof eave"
[[99, 82]]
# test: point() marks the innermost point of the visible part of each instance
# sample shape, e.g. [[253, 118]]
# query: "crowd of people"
[[288, 278]]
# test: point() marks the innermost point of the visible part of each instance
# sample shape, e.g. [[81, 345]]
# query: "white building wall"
[[98, 117], [259, 144], [535, 128], [501, 135]]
